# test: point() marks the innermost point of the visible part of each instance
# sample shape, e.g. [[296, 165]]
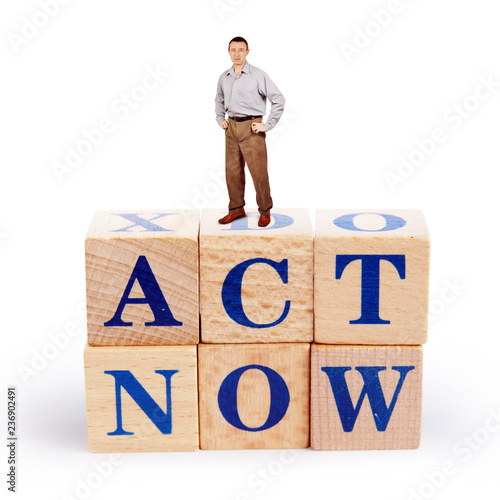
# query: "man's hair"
[[238, 39]]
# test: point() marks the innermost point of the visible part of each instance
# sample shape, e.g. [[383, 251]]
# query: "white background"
[[348, 121]]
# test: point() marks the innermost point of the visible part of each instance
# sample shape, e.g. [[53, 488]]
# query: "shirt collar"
[[246, 69]]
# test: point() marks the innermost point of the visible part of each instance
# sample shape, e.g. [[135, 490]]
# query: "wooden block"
[[365, 397], [141, 398], [371, 277], [142, 278], [254, 396], [256, 284]]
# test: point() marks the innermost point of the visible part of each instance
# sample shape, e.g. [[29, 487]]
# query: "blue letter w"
[[125, 379], [371, 388]]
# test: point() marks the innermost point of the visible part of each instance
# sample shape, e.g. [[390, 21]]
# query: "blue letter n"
[[371, 388], [125, 379]]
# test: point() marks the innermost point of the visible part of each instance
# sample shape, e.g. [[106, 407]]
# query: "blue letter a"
[[371, 388], [125, 379], [152, 296]]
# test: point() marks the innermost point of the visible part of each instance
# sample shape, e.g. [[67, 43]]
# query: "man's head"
[[238, 50]]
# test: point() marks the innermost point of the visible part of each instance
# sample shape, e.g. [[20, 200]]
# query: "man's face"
[[238, 52]]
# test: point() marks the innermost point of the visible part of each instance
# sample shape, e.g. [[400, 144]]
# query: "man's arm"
[[276, 98], [220, 112]]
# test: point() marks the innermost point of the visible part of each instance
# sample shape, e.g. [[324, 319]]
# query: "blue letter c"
[[231, 292]]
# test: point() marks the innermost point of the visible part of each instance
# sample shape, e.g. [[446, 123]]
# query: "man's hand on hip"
[[257, 127], [224, 124]]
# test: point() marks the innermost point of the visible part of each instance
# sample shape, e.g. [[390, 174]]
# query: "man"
[[241, 93]]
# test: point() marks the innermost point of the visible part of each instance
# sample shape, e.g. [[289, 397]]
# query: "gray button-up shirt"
[[245, 95]]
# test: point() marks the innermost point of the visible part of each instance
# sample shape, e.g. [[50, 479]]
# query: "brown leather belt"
[[243, 118]]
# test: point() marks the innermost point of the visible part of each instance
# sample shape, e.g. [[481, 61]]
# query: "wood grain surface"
[[403, 429], [403, 302], [263, 292], [172, 255], [290, 361], [141, 362]]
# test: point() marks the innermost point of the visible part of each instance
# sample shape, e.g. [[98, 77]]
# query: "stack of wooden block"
[[306, 337]]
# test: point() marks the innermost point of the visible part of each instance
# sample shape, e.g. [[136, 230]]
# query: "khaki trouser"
[[243, 146]]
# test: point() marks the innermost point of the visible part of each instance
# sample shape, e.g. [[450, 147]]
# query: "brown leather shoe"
[[264, 220], [230, 217]]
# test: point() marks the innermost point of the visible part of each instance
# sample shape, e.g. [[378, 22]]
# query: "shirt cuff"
[[267, 128]]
